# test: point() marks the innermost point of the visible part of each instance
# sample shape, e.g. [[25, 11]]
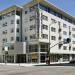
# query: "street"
[[37, 70]]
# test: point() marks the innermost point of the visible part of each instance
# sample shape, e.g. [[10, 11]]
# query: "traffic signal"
[[68, 40]]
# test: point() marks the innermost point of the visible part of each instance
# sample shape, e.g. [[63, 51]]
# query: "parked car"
[[72, 61]]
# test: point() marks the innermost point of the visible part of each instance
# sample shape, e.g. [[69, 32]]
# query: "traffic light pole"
[[68, 40]]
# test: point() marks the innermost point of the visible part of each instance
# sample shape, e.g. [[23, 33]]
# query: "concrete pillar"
[[27, 58], [70, 57], [39, 53], [14, 58]]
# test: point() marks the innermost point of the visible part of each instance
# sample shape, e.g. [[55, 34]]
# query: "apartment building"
[[10, 34], [36, 26], [42, 23]]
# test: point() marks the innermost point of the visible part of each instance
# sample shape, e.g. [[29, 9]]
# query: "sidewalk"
[[31, 64]]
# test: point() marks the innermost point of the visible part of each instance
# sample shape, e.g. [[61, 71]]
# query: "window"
[[17, 30], [33, 48], [59, 45], [5, 40], [32, 8], [5, 24], [73, 35], [64, 25], [3, 48], [32, 27], [44, 47], [53, 38], [32, 18], [53, 29], [45, 36], [18, 21], [73, 48], [25, 38], [4, 32], [64, 32], [64, 47], [17, 38], [12, 30], [12, 38], [18, 13], [45, 27], [60, 38], [44, 17], [53, 12], [12, 21], [0, 17], [25, 12], [32, 36], [73, 42], [13, 12], [11, 47], [73, 29], [59, 23], [53, 20]]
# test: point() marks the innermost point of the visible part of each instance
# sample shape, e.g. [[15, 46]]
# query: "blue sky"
[[66, 5]]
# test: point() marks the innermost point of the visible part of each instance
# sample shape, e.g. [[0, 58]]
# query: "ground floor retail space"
[[36, 58], [41, 58]]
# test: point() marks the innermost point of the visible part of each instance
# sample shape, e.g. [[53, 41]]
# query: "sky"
[[66, 5]]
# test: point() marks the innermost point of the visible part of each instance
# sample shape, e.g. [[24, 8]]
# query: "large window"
[[44, 47], [33, 48]]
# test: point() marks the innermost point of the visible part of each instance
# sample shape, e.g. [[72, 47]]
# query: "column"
[[70, 57], [27, 58], [39, 53], [14, 58]]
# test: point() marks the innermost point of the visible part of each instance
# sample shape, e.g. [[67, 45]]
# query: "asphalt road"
[[37, 70]]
